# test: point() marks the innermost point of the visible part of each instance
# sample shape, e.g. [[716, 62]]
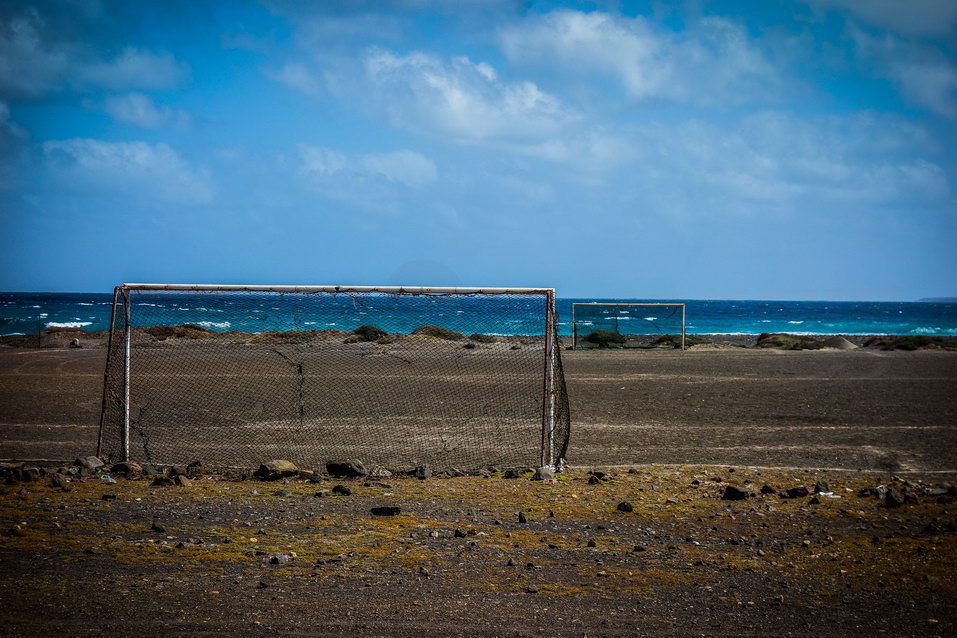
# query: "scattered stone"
[[195, 470], [797, 492], [108, 497], [911, 498], [58, 481], [128, 468], [88, 462], [279, 559], [639, 548], [151, 470], [322, 493], [424, 571], [814, 501], [156, 527], [893, 498], [671, 501], [177, 470], [591, 543], [29, 474], [625, 506], [182, 481], [532, 589], [601, 476], [695, 482], [459, 534], [821, 487], [281, 493], [544, 474], [767, 489], [522, 518], [423, 472], [306, 475], [315, 478], [511, 563], [384, 486], [341, 490], [386, 510], [68, 471], [513, 474], [380, 473], [346, 469], [162, 481], [734, 493], [594, 480], [275, 470]]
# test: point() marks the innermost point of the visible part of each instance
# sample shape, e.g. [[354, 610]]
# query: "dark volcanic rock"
[[177, 470], [522, 518], [88, 462], [162, 481], [767, 489], [346, 469], [387, 510], [544, 474], [422, 472], [625, 506], [820, 487], [128, 468], [593, 480], [513, 474], [195, 470], [151, 470], [893, 498], [797, 492], [341, 490], [733, 493], [58, 481]]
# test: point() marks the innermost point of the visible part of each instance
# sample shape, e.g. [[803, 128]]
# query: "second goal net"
[[628, 325]]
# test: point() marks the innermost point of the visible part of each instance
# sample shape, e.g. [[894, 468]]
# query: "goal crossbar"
[[414, 290]]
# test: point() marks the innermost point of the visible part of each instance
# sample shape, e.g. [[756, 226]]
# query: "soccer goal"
[[450, 378], [628, 325]]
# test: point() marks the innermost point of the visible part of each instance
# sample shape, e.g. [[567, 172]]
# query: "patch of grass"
[[911, 342], [369, 333], [788, 341], [438, 332], [605, 338]]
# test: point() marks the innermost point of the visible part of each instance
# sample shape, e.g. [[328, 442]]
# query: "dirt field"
[[227, 557]]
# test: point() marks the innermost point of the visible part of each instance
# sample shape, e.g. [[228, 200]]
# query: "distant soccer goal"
[[628, 325], [451, 378]]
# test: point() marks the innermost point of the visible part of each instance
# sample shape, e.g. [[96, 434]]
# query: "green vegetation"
[[605, 338], [369, 333], [674, 341], [788, 342], [480, 338], [438, 332], [910, 342]]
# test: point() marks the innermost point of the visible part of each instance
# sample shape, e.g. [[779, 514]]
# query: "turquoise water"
[[25, 313]]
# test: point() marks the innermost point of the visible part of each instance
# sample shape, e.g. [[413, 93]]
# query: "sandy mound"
[[839, 342]]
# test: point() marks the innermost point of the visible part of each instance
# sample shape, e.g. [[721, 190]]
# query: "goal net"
[[628, 325], [395, 377]]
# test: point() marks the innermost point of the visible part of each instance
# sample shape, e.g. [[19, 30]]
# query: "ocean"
[[26, 313]]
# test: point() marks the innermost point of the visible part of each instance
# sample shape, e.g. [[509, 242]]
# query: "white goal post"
[[448, 373], [648, 326]]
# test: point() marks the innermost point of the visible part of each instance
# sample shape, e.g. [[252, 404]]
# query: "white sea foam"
[[796, 322], [84, 304], [650, 318], [12, 334], [214, 324], [69, 324]]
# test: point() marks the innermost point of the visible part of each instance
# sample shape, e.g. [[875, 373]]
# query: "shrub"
[[674, 341], [910, 342], [480, 338], [788, 341], [369, 333], [605, 338], [438, 332]]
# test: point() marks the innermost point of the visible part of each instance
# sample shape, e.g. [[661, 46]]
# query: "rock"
[[151, 470], [814, 501], [322, 493], [279, 559], [594, 480], [821, 487], [162, 481], [156, 527], [75, 343], [601, 476], [341, 490], [275, 470], [423, 472], [797, 492], [767, 489], [177, 470], [671, 500], [29, 474], [281, 493], [639, 548], [522, 518], [58, 481], [346, 469], [625, 506], [386, 510], [315, 478], [695, 482], [513, 474], [532, 589], [108, 497], [88, 462], [911, 499], [195, 470], [893, 498], [459, 534], [68, 471], [129, 468], [867, 492], [182, 481], [306, 475], [380, 473], [544, 474], [591, 543], [424, 571], [734, 493]]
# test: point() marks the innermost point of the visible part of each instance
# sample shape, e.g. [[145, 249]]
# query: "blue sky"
[[761, 150]]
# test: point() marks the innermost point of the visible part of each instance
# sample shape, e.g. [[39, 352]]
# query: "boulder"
[[544, 474], [893, 498], [195, 470], [128, 468], [513, 474], [625, 506], [821, 487], [346, 469], [797, 492], [386, 510], [341, 490], [275, 470], [422, 472], [88, 462], [734, 493]]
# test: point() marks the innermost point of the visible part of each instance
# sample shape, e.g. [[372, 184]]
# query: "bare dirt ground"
[[222, 556]]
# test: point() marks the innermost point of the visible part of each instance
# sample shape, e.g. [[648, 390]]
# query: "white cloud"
[[140, 110], [912, 18], [131, 168], [924, 76], [299, 77], [712, 62], [404, 167], [32, 65], [459, 98]]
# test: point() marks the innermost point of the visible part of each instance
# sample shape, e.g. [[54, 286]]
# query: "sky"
[[697, 149]]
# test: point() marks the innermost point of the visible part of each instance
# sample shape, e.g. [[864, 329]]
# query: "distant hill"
[[939, 299]]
